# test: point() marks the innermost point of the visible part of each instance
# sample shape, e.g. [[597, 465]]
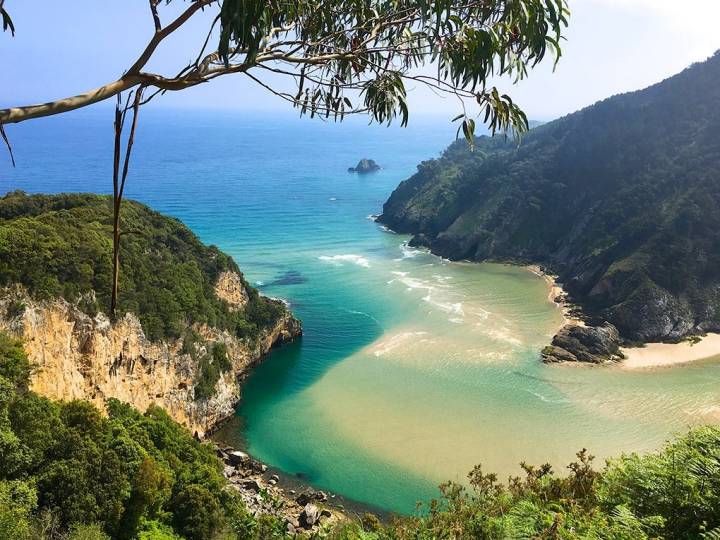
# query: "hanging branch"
[[7, 143], [119, 184]]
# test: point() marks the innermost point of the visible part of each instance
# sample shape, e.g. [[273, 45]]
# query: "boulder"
[[365, 166], [309, 515], [321, 496], [305, 497], [594, 344], [236, 457], [251, 485]]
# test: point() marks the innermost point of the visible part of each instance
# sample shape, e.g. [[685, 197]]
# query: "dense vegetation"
[[621, 199], [61, 245], [67, 472]]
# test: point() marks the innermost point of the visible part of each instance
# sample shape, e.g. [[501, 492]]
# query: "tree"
[[337, 57]]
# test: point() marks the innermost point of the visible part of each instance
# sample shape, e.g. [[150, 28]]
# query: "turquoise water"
[[411, 369]]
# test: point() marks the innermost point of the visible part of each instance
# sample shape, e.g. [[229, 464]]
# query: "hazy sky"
[[63, 48]]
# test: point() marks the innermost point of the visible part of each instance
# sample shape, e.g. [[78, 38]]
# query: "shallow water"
[[411, 369]]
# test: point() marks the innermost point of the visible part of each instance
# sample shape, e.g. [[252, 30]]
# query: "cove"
[[412, 369]]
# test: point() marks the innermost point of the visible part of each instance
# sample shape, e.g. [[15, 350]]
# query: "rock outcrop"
[[260, 491], [78, 356], [575, 343], [229, 287], [365, 166]]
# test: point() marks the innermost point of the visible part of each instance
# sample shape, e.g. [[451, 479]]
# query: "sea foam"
[[338, 260]]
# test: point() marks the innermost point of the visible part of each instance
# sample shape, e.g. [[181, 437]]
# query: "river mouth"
[[424, 368]]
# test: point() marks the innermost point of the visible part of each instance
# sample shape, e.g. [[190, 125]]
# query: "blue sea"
[[412, 369]]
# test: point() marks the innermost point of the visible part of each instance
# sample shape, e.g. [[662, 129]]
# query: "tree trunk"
[[119, 186], [116, 211]]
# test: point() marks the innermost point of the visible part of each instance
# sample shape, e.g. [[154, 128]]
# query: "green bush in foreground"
[[69, 473]]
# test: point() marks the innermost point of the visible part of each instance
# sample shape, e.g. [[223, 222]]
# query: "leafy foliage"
[[620, 199], [211, 367], [126, 475], [337, 50], [670, 494], [61, 245]]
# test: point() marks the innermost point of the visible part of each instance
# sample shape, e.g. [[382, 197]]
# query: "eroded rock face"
[[76, 356], [230, 288], [595, 344]]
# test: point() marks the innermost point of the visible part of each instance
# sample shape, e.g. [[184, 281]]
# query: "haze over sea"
[[412, 369]]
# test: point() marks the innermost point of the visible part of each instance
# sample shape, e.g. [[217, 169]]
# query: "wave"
[[409, 252], [387, 345], [362, 313], [501, 334], [338, 260]]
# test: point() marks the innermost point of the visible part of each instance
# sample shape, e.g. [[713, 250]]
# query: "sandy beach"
[[670, 354], [557, 295]]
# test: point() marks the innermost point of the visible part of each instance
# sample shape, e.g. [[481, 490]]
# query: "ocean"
[[412, 369]]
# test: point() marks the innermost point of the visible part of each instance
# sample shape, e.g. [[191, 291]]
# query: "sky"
[[613, 46]]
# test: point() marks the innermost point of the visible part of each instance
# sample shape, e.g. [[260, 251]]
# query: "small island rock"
[[365, 166]]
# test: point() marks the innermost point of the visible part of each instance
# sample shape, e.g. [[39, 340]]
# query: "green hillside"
[[621, 199], [61, 245]]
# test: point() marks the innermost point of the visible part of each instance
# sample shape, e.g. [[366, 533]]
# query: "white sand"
[[670, 354], [557, 292]]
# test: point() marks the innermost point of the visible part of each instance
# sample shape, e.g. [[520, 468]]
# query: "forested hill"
[[621, 199], [61, 246]]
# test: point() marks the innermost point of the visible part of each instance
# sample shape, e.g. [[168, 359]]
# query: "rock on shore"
[[575, 343], [259, 490]]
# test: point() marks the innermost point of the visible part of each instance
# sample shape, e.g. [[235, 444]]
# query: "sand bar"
[[670, 354]]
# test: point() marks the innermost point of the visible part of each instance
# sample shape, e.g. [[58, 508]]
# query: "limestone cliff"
[[78, 356]]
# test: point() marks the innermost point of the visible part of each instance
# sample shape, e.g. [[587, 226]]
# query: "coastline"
[[559, 297], [301, 508], [656, 355], [286, 495], [648, 356]]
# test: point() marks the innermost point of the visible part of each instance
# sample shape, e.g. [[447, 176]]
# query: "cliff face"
[[621, 200], [76, 356], [192, 325]]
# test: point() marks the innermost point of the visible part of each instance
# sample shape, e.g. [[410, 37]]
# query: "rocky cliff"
[[76, 356], [188, 327], [620, 200]]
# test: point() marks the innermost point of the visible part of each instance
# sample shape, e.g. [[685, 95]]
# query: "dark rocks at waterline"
[[236, 457], [262, 495], [594, 344], [310, 495], [365, 166]]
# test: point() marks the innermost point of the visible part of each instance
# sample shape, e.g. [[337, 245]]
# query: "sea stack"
[[365, 166]]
